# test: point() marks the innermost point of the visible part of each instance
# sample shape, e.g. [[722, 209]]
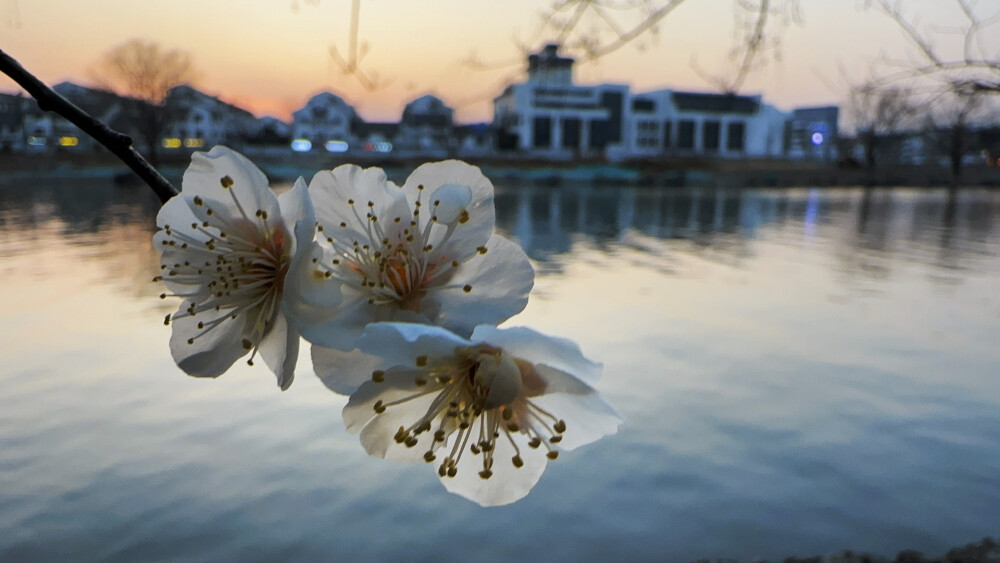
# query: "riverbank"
[[985, 551], [666, 172]]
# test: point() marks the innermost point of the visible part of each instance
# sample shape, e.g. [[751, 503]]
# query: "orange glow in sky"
[[271, 56]]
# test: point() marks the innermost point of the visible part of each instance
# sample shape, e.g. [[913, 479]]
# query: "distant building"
[[705, 124], [270, 130], [473, 139], [196, 119], [47, 131], [550, 116], [811, 133], [12, 123], [427, 127], [376, 137], [325, 118]]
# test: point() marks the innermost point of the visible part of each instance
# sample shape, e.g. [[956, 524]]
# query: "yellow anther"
[[485, 473], [481, 250], [429, 457], [378, 376], [463, 217], [421, 361], [560, 426], [226, 182], [552, 454], [555, 439], [197, 200], [379, 408], [247, 344], [517, 461], [467, 288]]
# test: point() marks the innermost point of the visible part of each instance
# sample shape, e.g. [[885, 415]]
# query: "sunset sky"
[[271, 56]]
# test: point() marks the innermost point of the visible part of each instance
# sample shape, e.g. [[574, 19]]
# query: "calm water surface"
[[800, 371]]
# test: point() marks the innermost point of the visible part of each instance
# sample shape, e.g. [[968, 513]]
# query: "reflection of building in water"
[[548, 115]]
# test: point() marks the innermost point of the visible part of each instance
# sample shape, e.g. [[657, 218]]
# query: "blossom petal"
[[477, 229], [378, 430], [344, 371], [499, 283], [332, 190], [508, 483], [305, 287], [280, 350], [203, 179], [211, 354], [588, 418], [342, 326], [559, 353], [400, 344]]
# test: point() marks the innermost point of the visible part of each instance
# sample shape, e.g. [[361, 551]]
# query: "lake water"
[[800, 371]]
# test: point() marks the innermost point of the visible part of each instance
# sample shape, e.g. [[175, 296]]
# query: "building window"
[[643, 105], [667, 128], [710, 136], [570, 133], [735, 133], [647, 134], [598, 134], [685, 134], [542, 133]]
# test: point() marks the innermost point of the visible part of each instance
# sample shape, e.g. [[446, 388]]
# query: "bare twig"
[[119, 144]]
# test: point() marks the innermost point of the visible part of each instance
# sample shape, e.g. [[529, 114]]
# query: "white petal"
[[280, 349], [449, 201], [500, 280], [474, 232], [340, 327], [588, 418], [343, 372], [400, 344], [203, 178], [378, 430], [297, 211], [537, 348], [508, 483], [332, 190], [212, 353]]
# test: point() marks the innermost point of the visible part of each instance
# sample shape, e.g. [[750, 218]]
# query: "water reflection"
[[869, 228], [800, 371]]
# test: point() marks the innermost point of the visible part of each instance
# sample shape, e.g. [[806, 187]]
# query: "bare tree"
[[877, 113], [958, 57], [145, 72], [949, 126], [591, 29]]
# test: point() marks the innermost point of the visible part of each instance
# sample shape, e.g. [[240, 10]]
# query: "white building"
[[427, 127], [704, 124], [325, 117], [550, 116]]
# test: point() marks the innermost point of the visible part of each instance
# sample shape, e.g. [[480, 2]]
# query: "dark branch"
[[119, 144]]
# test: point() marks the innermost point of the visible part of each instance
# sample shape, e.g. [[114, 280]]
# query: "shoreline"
[[665, 173]]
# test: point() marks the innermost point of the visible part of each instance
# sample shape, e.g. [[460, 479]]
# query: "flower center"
[[481, 396], [391, 259], [238, 265]]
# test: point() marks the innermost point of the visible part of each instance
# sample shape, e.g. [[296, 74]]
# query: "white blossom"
[[423, 252], [489, 411], [227, 243]]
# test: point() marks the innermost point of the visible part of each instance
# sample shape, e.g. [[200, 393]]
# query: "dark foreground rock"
[[985, 551]]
